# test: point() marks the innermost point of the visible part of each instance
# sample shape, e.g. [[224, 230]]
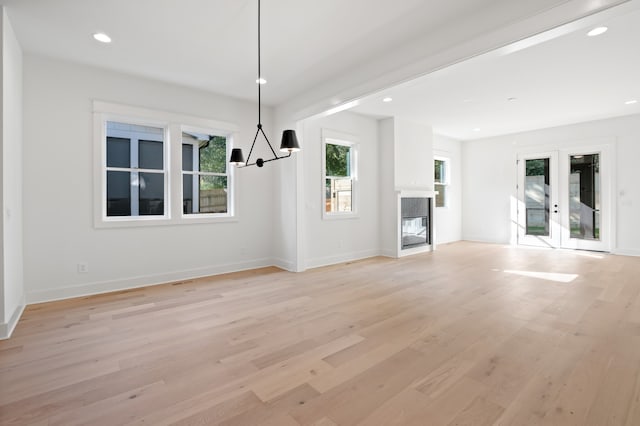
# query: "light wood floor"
[[472, 334]]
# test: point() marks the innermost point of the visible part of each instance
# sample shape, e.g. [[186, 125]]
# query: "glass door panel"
[[537, 200], [586, 193], [536, 196], [584, 196]]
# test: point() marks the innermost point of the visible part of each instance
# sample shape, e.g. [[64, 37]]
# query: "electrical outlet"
[[83, 268]]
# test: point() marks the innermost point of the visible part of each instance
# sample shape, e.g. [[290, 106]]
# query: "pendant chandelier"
[[289, 142]]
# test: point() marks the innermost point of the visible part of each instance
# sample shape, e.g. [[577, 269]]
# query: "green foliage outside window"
[[439, 171], [213, 155], [537, 167], [338, 161]]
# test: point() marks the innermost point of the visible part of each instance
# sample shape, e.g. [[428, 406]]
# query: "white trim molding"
[[342, 258], [6, 329], [626, 252], [100, 287]]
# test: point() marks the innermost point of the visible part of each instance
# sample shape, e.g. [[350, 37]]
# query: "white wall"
[[58, 189], [12, 237], [287, 198], [448, 220], [406, 163], [489, 178], [336, 240], [388, 238], [413, 153]]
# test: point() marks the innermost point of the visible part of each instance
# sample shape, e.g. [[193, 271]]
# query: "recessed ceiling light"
[[477, 129], [511, 99], [631, 102], [387, 99], [597, 31], [102, 37], [261, 81]]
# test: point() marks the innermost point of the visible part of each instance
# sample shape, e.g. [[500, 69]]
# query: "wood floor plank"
[[470, 334]]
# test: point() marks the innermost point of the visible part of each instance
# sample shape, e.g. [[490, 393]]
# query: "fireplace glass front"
[[415, 222]]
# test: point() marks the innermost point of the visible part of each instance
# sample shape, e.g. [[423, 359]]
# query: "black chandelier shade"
[[289, 142], [236, 157]]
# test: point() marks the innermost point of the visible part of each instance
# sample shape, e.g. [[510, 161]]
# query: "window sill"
[[204, 218], [162, 221], [339, 216]]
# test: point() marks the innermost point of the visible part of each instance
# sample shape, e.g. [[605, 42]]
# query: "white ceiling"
[[568, 79], [212, 44]]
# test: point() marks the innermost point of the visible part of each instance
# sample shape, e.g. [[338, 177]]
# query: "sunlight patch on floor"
[[549, 276]]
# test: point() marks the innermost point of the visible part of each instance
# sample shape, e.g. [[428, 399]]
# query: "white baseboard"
[[6, 329], [388, 253], [48, 295], [341, 258], [488, 240], [626, 252], [283, 264]]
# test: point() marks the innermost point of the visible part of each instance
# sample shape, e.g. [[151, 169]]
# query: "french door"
[[564, 198]]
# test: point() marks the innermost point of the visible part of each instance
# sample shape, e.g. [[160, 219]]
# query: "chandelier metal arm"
[[269, 143], [275, 156]]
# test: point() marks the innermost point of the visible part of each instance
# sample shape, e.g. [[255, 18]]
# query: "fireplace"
[[415, 223]]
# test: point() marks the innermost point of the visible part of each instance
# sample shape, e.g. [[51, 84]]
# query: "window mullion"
[[196, 192], [135, 178], [196, 178]]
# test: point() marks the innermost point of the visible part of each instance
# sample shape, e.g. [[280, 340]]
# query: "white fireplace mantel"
[[416, 192]]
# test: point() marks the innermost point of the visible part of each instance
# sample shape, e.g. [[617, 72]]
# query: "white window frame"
[[173, 125], [447, 180], [195, 174], [338, 138]]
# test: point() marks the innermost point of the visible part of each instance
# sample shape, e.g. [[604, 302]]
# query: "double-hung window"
[[160, 168], [135, 170], [205, 179], [441, 181], [340, 178]]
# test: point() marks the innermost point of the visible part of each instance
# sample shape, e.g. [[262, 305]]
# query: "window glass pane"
[[537, 194], [118, 193], [441, 196], [584, 197], [118, 152], [187, 194], [338, 195], [439, 171], [338, 160], [213, 155], [151, 187], [213, 194], [187, 157], [150, 155]]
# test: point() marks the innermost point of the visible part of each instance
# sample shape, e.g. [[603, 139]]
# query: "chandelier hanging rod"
[[289, 142]]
